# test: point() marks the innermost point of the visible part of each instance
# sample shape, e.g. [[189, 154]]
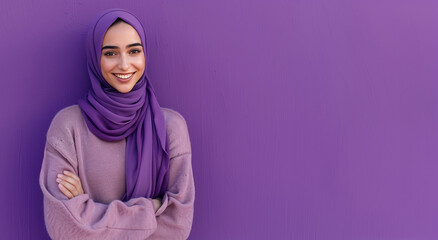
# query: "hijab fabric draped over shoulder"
[[136, 115]]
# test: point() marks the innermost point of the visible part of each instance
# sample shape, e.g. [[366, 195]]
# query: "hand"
[[69, 184], [157, 203]]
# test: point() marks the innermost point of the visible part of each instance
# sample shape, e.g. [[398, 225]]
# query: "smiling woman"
[[117, 165], [122, 60]]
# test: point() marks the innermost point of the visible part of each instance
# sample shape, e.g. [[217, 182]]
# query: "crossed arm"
[[70, 185]]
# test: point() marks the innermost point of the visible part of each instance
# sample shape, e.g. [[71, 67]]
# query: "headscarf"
[[136, 115]]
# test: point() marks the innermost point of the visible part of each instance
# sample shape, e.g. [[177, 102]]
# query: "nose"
[[124, 62]]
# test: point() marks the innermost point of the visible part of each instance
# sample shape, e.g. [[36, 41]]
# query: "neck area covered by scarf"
[[136, 115]]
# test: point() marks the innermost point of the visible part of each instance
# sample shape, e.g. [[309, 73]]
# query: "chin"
[[123, 87], [124, 90]]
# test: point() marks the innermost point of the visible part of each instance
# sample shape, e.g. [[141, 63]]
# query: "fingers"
[[71, 183], [72, 175], [65, 191], [70, 187]]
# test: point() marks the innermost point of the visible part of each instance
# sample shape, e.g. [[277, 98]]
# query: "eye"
[[109, 54], [134, 51]]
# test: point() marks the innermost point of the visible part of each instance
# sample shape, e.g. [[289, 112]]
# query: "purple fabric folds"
[[136, 115]]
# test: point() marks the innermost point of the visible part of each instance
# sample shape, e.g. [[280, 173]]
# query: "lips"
[[124, 77]]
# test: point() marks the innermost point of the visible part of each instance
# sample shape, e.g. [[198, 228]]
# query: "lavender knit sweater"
[[98, 214]]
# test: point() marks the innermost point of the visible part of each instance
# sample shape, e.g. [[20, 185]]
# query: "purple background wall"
[[308, 119]]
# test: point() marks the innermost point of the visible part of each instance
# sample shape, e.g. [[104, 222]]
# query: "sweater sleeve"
[[175, 216], [81, 217]]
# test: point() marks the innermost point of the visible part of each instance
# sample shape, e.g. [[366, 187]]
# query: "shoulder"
[[66, 121], [174, 120], [177, 131], [68, 115]]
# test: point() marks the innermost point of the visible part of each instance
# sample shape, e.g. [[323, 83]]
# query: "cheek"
[[139, 63], [141, 67], [103, 66], [106, 65]]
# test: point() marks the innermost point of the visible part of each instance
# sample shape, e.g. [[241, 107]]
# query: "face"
[[122, 59]]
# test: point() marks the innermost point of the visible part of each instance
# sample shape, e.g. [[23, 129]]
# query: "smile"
[[124, 78]]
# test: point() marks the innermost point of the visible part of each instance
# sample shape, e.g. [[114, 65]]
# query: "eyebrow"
[[127, 46]]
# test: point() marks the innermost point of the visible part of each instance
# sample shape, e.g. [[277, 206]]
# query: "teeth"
[[123, 76]]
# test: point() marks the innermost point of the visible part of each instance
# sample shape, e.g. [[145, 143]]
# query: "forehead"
[[121, 33]]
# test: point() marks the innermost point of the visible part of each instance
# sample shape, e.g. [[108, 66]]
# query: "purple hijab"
[[136, 115]]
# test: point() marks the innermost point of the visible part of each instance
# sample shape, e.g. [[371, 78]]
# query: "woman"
[[117, 166]]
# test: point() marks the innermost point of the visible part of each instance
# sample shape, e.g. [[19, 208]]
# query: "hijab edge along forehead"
[[100, 26]]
